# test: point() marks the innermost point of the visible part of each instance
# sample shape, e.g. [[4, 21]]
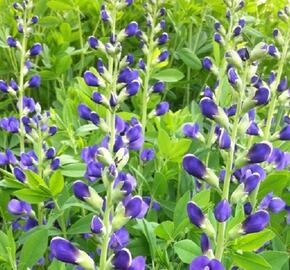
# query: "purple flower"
[[122, 259], [237, 31], [3, 86], [204, 243], [94, 171], [147, 154], [128, 182], [224, 139], [273, 51], [128, 75], [204, 263], [195, 214], [259, 152], [253, 129], [163, 56], [233, 77], [242, 22], [133, 207], [11, 42], [91, 79], [138, 263], [251, 182], [34, 20], [194, 166], [55, 163], [279, 158], [276, 205], [65, 251], [284, 134], [162, 39], [208, 107], [244, 53], [191, 131], [104, 14], [119, 239], [14, 85], [35, 49], [28, 104], [93, 42], [84, 112], [262, 96], [207, 63], [97, 225], [19, 174], [131, 29], [16, 207], [34, 81], [248, 208], [50, 153], [161, 108], [283, 84], [158, 87], [222, 211], [10, 124], [133, 88], [256, 222], [135, 137]]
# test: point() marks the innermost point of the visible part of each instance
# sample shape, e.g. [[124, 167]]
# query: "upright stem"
[[271, 111], [113, 69], [229, 166], [221, 79], [147, 76], [187, 96], [81, 40], [21, 82]]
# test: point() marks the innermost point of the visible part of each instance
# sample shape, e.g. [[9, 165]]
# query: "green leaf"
[[180, 213], [169, 75], [74, 170], [250, 261], [81, 226], [276, 259], [189, 58], [187, 250], [32, 195], [253, 241], [165, 230], [164, 142], [56, 183], [59, 5], [33, 248], [34, 180]]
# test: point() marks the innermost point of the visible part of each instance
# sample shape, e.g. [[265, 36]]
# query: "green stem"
[[107, 225], [271, 111], [21, 82], [147, 75], [187, 96], [61, 219], [81, 40], [229, 166], [221, 79]]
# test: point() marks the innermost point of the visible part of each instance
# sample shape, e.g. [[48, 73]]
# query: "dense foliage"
[[144, 134]]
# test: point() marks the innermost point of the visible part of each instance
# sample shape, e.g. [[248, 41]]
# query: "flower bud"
[[203, 262], [16, 207], [87, 194], [273, 51], [196, 168], [161, 108], [278, 36], [158, 87], [283, 84], [35, 49], [84, 112], [284, 134], [224, 140], [97, 225], [12, 42], [255, 222], [122, 259], [3, 86], [19, 174], [222, 211], [65, 251], [259, 51], [208, 64], [105, 156], [276, 205], [234, 59], [147, 154], [163, 56], [34, 82], [234, 79]]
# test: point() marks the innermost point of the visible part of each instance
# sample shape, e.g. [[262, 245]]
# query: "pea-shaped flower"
[[97, 225], [65, 251], [122, 259], [204, 263], [196, 168], [16, 207], [222, 211]]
